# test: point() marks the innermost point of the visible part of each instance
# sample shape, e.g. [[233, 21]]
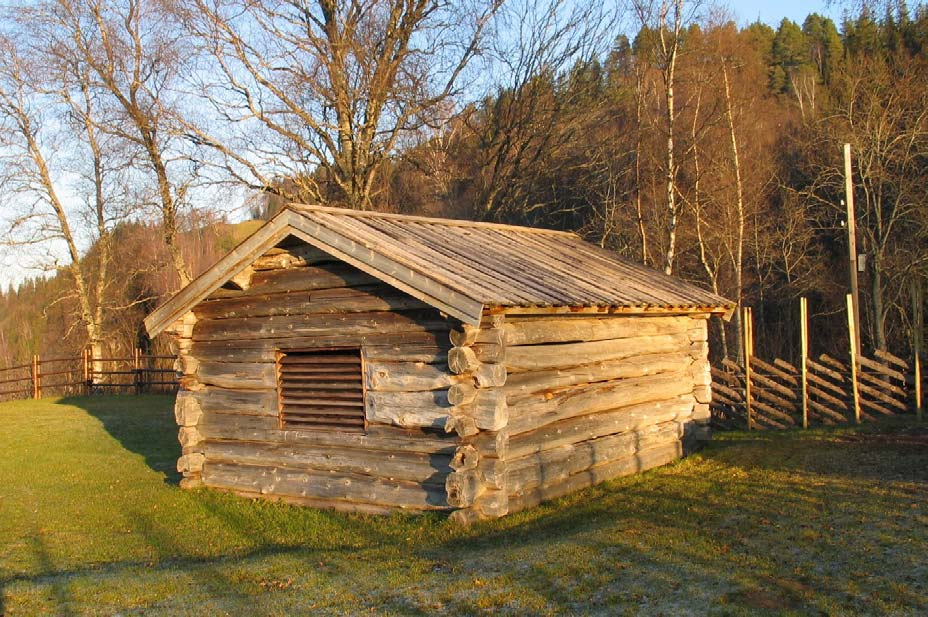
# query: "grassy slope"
[[92, 521]]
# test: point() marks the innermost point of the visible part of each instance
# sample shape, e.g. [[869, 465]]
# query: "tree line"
[[696, 146]]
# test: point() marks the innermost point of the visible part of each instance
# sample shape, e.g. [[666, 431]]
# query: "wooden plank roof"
[[460, 267]]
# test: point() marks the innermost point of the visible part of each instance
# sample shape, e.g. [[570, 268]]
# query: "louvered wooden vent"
[[321, 389]]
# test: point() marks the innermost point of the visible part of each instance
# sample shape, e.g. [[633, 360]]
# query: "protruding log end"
[[462, 360]]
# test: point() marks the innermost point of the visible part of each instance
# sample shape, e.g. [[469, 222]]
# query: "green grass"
[[820, 522]]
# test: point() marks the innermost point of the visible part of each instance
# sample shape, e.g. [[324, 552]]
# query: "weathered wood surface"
[[291, 257], [540, 357], [588, 399], [417, 346], [556, 465], [640, 461], [307, 483], [408, 376], [622, 419], [238, 375], [229, 401], [288, 326], [398, 465], [217, 426], [341, 299], [520, 384], [408, 409], [560, 330], [310, 278]]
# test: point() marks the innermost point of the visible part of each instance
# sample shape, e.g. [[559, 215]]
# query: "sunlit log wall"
[[481, 421]]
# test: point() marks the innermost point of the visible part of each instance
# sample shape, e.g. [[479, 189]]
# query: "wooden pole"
[[918, 335], [803, 368], [36, 387], [853, 351], [137, 356], [852, 243], [748, 335], [86, 369]]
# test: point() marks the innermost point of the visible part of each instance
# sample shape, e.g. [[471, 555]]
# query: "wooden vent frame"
[[321, 389]]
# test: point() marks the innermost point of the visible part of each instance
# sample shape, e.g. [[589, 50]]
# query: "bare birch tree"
[[47, 107], [133, 52]]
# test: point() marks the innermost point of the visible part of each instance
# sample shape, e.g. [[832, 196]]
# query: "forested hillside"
[[701, 148]]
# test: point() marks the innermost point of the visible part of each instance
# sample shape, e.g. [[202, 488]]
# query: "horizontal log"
[[408, 376], [560, 330], [770, 397], [462, 360], [216, 426], [293, 326], [228, 401], [733, 367], [730, 379], [409, 409], [640, 461], [815, 367], [826, 411], [574, 430], [415, 346], [398, 465], [772, 412], [734, 395], [364, 299], [869, 405], [238, 375], [826, 397], [526, 383], [882, 383], [774, 371], [892, 359], [556, 465], [541, 357], [593, 398], [310, 278], [786, 366], [880, 368], [325, 485], [190, 463], [291, 257], [873, 393], [833, 363]]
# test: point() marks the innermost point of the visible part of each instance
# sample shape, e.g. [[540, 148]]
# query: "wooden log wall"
[[583, 399], [299, 298]]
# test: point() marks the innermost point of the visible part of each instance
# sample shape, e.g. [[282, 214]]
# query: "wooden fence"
[[822, 390], [75, 375]]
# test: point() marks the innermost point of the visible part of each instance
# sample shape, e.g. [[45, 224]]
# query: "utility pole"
[[852, 244]]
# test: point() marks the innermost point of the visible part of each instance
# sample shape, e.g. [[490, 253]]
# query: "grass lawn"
[[820, 522]]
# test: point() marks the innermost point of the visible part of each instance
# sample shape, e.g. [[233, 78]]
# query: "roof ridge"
[[425, 219]]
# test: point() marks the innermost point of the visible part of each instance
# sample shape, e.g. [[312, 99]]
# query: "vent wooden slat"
[[321, 390]]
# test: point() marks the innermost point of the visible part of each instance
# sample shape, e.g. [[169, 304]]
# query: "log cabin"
[[373, 362]]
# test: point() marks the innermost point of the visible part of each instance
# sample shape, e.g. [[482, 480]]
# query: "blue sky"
[[748, 11]]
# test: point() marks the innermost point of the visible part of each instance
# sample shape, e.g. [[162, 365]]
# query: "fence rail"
[[83, 374], [760, 394]]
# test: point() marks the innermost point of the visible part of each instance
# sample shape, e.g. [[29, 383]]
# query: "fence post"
[[852, 334], [36, 377], [137, 357], [919, 409], [747, 330], [803, 367]]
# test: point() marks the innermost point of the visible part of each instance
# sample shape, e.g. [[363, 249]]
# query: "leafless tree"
[[133, 53], [54, 154], [321, 93]]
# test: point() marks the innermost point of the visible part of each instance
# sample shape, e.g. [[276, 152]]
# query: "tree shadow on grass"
[[144, 425]]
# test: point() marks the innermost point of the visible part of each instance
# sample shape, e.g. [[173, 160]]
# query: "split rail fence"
[[81, 375], [822, 390]]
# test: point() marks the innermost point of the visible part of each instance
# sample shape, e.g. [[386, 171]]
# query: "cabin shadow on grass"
[[141, 424]]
